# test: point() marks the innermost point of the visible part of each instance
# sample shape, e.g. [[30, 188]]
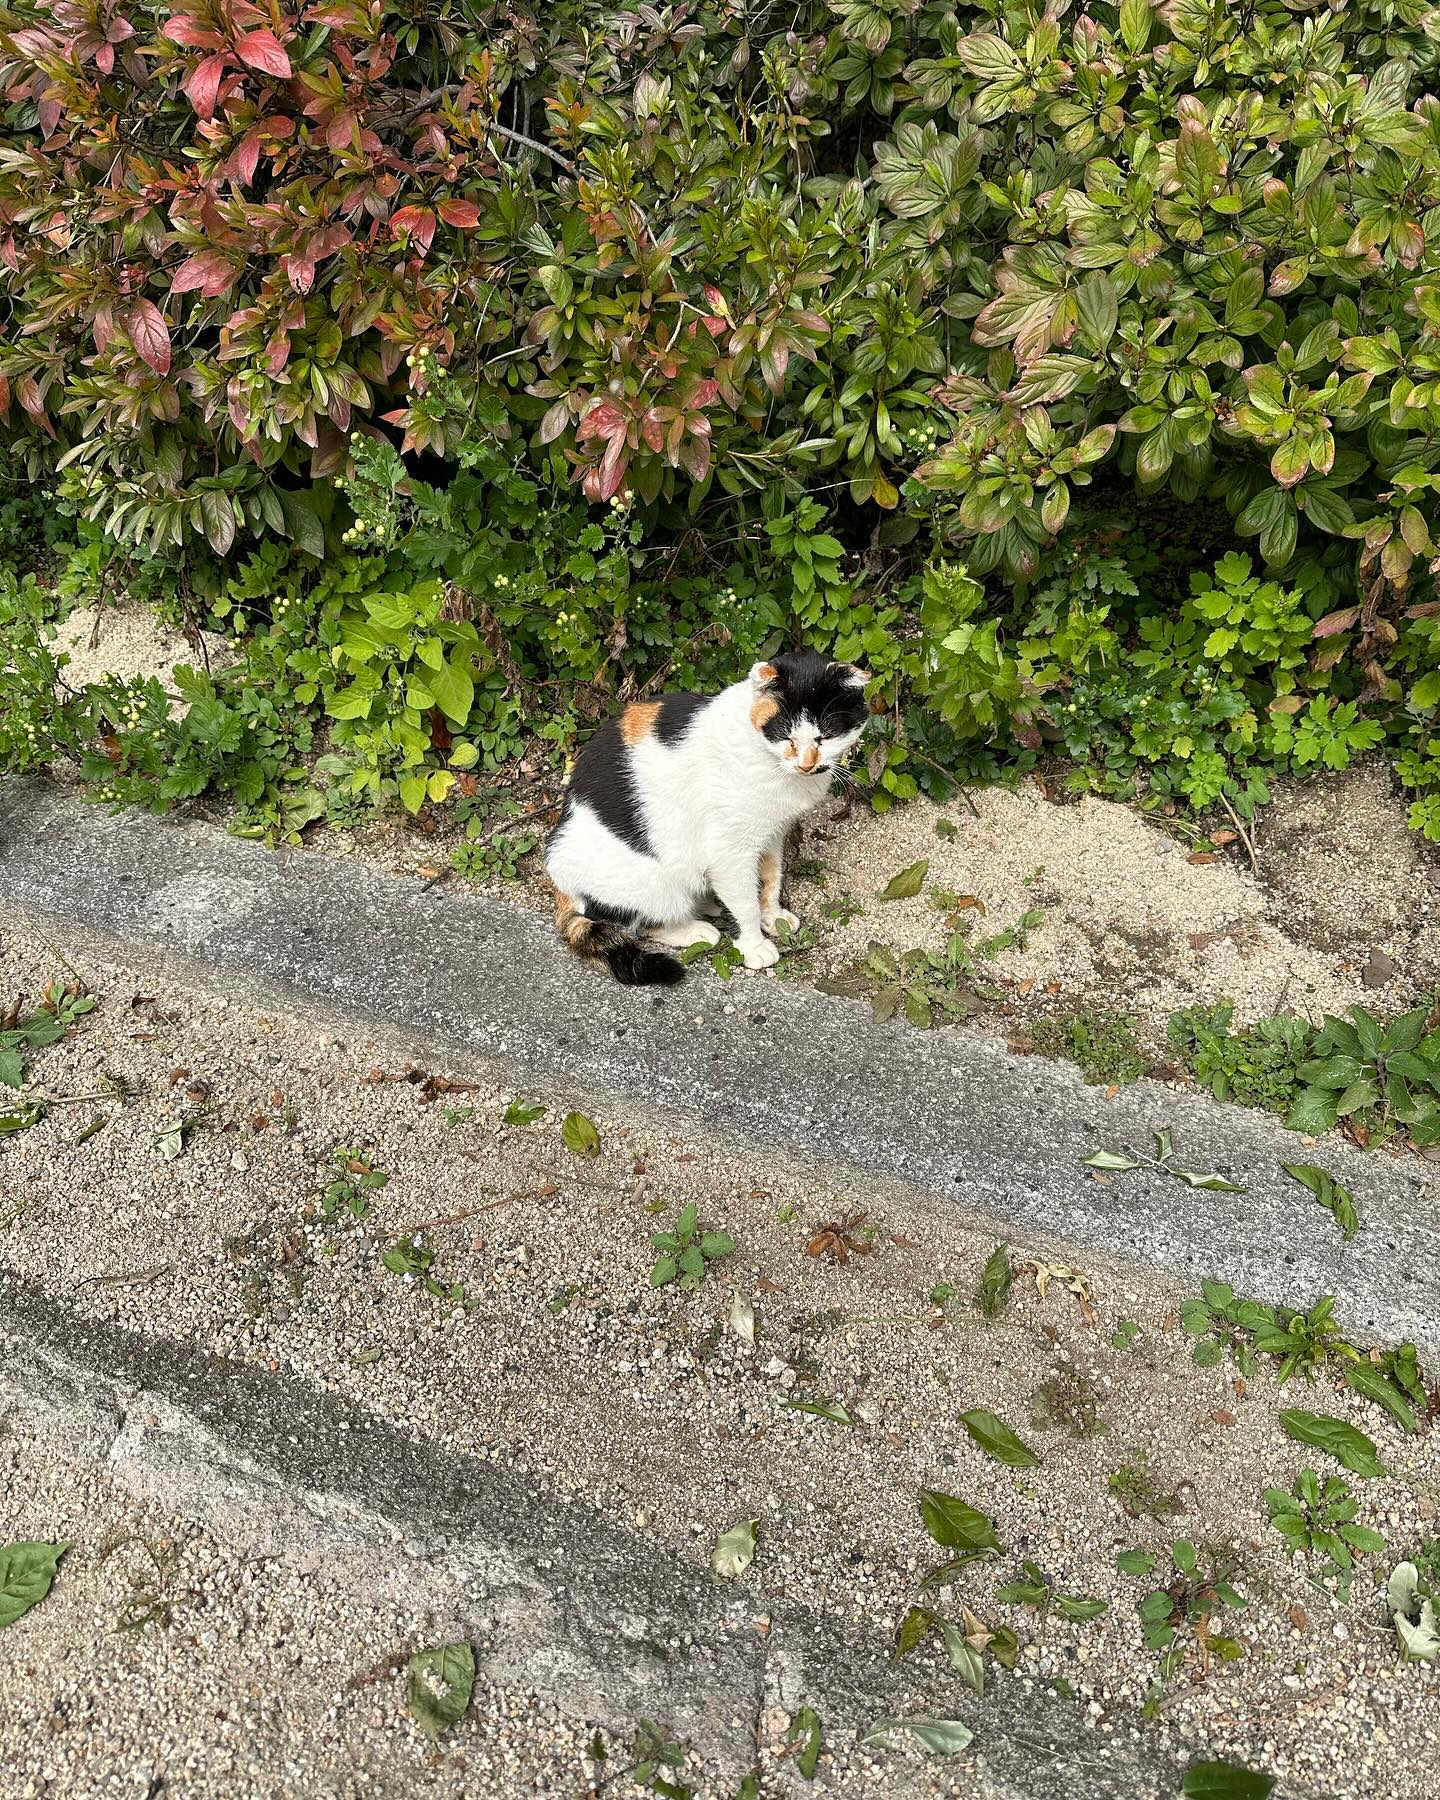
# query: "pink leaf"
[[418, 221], [183, 30], [150, 334], [463, 213], [1335, 622], [263, 50], [207, 270], [202, 84]]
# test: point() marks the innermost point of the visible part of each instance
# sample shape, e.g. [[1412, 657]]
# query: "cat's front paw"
[[782, 917], [761, 955]]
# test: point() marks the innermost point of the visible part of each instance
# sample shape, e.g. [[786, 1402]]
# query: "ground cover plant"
[[1074, 367]]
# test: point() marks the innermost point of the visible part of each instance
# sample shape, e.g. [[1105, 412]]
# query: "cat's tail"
[[601, 940]]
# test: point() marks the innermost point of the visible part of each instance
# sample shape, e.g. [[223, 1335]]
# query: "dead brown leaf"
[[839, 1239], [1202, 856]]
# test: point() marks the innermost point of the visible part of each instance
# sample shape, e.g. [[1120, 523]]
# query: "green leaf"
[[26, 1572], [579, 1136], [302, 526], [955, 1525], [1112, 1160], [438, 1686], [1135, 18], [1097, 307], [997, 1440], [1364, 1378], [523, 1112], [1334, 1198], [1224, 1781], [1078, 1609], [716, 1243], [1349, 1446], [822, 1409], [907, 883], [454, 691], [941, 1737], [806, 1724], [734, 1550], [1312, 1111], [915, 1627], [1214, 1183], [965, 1659], [1135, 1562], [12, 1070], [664, 1272], [993, 1294]]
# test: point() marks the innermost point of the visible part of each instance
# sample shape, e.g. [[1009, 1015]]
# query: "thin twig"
[[126, 1280], [1245, 838]]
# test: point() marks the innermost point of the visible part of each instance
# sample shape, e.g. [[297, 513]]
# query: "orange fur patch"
[[809, 756], [763, 711], [765, 671], [638, 721], [570, 922], [769, 881]]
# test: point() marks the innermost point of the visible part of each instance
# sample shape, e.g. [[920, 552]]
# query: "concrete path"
[[754, 1060]]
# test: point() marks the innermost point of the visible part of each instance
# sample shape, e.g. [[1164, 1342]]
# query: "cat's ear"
[[855, 677], [763, 675]]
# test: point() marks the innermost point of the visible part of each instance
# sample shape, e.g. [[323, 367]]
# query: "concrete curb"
[[550, 1593], [752, 1059]]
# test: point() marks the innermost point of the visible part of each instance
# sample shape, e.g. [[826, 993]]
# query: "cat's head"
[[808, 709]]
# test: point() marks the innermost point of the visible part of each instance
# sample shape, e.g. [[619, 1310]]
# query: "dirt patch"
[[1347, 874], [132, 643], [1131, 922]]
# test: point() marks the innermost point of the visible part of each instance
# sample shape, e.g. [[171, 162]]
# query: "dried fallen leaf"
[[1221, 1416], [839, 1240], [1202, 856]]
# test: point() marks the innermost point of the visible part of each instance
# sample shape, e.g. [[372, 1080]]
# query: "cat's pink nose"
[[809, 756]]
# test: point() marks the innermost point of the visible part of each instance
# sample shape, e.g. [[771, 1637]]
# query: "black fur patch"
[[635, 966], [816, 688], [677, 712], [602, 780]]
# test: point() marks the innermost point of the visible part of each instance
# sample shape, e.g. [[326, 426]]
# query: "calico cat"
[[687, 800]]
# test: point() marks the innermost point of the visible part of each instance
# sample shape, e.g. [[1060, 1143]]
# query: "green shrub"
[[850, 316]]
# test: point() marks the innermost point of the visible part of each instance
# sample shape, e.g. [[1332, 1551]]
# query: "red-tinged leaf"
[[299, 267], [184, 30], [105, 59], [202, 84], [812, 322], [602, 421], [695, 457], [652, 429], [150, 334], [463, 213], [553, 424], [418, 221], [102, 328], [262, 50], [1335, 622], [48, 112], [340, 133], [243, 163], [612, 468], [4, 397], [207, 270]]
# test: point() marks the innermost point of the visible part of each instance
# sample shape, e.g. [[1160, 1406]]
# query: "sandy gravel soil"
[[651, 1405]]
